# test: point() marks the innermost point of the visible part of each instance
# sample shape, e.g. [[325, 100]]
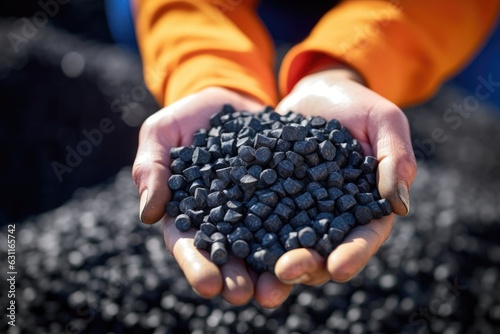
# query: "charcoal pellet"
[[345, 202], [246, 153], [303, 147], [333, 124], [375, 210], [255, 171], [277, 158], [312, 212], [301, 219], [235, 206], [321, 226], [364, 198], [200, 138], [354, 145], [201, 156], [289, 202], [227, 136], [285, 230], [344, 222], [269, 239], [318, 173], [292, 241], [268, 176], [252, 201], [327, 150], [196, 217], [276, 251], [186, 153], [240, 249], [175, 152], [246, 132], [279, 189], [218, 185], [217, 214], [225, 227], [335, 235], [255, 124], [319, 194], [198, 183], [232, 216], [304, 201], [183, 222], [172, 208], [177, 166], [324, 246], [332, 166], [234, 125], [268, 197], [300, 172], [259, 234], [351, 174], [202, 241], [362, 214], [218, 237], [253, 222], [218, 253], [312, 159], [273, 223], [207, 175], [237, 174], [283, 145], [292, 133], [176, 182], [215, 199], [307, 237], [260, 209], [240, 233], [327, 205], [340, 159], [248, 185], [243, 142], [350, 189], [325, 215], [215, 152], [376, 194], [213, 141], [285, 168], [233, 193], [208, 228], [263, 155], [283, 211], [336, 136], [187, 203], [385, 206], [363, 186], [179, 195], [294, 158], [355, 159], [264, 141], [371, 178], [292, 186], [224, 174], [228, 147], [276, 133]]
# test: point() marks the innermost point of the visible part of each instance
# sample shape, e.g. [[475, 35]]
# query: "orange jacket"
[[404, 49]]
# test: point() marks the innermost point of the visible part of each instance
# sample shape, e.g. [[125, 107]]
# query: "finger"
[[271, 292], [301, 266], [237, 284], [201, 273], [389, 133], [357, 248]]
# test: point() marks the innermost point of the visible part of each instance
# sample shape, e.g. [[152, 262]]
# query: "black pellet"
[[240, 249], [234, 125], [215, 152], [248, 185], [253, 222], [340, 159], [264, 141], [364, 198], [186, 153], [292, 241], [268, 176], [363, 186], [362, 214], [300, 172], [300, 219], [233, 193], [246, 153], [202, 241], [220, 163], [217, 214], [326, 205], [292, 133], [207, 175], [215, 199], [327, 150], [218, 185], [351, 174], [292, 186], [243, 142], [187, 203], [376, 194], [350, 189], [225, 227], [354, 145], [344, 222], [303, 147], [232, 216], [235, 206], [259, 234], [345, 202], [175, 152], [177, 166], [371, 178], [276, 133], [304, 201], [201, 156], [246, 132], [179, 195], [213, 141], [269, 239], [333, 124], [200, 197], [252, 201], [172, 208], [262, 256], [321, 226], [273, 223], [279, 189], [227, 136], [224, 174], [276, 250], [283, 145], [218, 237], [229, 147], [289, 202], [218, 253], [198, 183], [196, 217], [324, 246], [307, 237], [319, 194], [283, 211], [277, 158], [332, 167], [240, 233], [385, 206], [336, 136], [294, 158], [263, 155], [255, 124], [208, 228], [237, 174], [260, 210], [312, 159], [335, 235], [375, 210], [176, 182], [318, 173], [355, 159], [285, 168], [312, 213], [183, 222], [268, 197], [200, 138]]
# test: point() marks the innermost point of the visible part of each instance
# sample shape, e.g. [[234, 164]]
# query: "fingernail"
[[404, 195], [143, 201], [298, 280]]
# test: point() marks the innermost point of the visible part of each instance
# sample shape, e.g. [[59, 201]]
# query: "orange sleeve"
[[193, 44], [404, 49]]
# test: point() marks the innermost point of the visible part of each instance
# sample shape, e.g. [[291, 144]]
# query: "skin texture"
[[379, 125]]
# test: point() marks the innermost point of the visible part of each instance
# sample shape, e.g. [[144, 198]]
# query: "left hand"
[[382, 130]]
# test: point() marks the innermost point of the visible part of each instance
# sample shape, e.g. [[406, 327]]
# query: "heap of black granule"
[[259, 184]]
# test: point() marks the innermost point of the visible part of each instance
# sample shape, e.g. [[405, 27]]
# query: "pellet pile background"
[[89, 265]]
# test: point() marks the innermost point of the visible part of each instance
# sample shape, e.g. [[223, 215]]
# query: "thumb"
[[389, 134]]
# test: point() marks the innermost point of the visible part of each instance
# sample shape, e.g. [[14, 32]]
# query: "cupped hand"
[[174, 126], [382, 130]]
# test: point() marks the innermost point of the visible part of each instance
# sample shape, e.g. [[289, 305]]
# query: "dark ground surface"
[[87, 265]]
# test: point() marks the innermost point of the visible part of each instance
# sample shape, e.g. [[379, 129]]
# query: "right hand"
[[174, 126]]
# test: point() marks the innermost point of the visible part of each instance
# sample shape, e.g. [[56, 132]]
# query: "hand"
[[382, 130], [174, 126]]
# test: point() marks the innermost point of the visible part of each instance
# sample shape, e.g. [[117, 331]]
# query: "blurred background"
[[72, 101]]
